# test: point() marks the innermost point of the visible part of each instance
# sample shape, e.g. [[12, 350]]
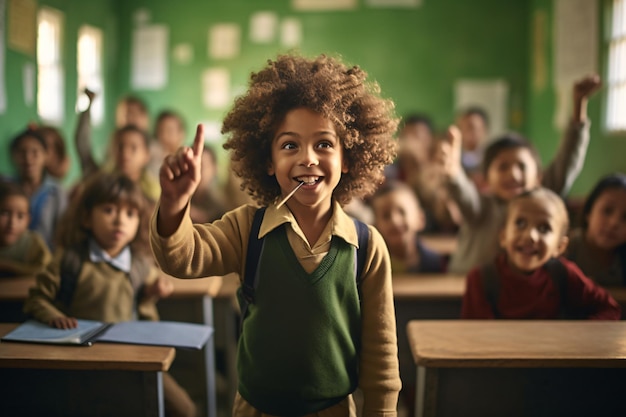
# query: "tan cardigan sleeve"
[[202, 250], [40, 302], [379, 377]]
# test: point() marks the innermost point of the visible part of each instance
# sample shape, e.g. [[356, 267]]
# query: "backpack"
[[72, 263], [245, 293], [556, 270]]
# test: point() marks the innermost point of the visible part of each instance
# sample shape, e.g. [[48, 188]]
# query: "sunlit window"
[[90, 74], [616, 77], [49, 65]]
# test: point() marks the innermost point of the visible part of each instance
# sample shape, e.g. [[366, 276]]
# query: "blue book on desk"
[[157, 333], [33, 331]]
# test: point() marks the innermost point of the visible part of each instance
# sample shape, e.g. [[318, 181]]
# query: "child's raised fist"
[[448, 152]]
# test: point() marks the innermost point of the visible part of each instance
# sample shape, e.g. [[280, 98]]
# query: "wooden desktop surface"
[[100, 356], [443, 244], [428, 286], [500, 343], [197, 286]]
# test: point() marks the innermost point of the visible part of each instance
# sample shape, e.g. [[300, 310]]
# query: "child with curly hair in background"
[[312, 333]]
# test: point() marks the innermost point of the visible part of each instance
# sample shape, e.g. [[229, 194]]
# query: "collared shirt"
[[310, 255], [122, 261]]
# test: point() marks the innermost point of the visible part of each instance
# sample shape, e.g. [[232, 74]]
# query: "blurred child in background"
[[531, 280], [22, 251], [48, 199], [511, 166], [599, 246], [103, 270], [207, 203], [399, 219], [58, 162], [473, 123], [132, 110], [169, 135]]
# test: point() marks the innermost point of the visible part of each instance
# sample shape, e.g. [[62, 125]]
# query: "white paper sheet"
[[224, 41], [492, 95], [263, 27], [394, 3], [575, 49], [216, 88], [318, 5], [290, 32], [149, 57], [212, 131]]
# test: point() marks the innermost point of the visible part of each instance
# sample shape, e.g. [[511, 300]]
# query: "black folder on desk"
[[157, 333]]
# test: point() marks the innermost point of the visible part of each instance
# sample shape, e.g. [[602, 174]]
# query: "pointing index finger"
[[198, 142]]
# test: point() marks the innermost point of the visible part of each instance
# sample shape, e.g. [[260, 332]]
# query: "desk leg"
[[227, 326], [153, 395], [209, 357], [426, 392]]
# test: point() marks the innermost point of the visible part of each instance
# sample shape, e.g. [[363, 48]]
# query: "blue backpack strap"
[[558, 274], [491, 285], [363, 234], [245, 294]]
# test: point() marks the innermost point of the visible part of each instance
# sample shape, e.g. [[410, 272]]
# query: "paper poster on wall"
[[216, 88], [224, 41], [3, 91], [28, 83], [394, 3], [22, 34], [492, 95], [575, 49], [290, 32], [263, 27], [320, 5], [183, 54], [149, 57]]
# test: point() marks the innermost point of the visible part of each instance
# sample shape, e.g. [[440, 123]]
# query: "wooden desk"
[[102, 380], [13, 293], [192, 302], [443, 244], [519, 368]]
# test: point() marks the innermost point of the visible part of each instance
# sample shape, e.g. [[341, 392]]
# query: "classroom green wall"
[[98, 13], [606, 151], [415, 54]]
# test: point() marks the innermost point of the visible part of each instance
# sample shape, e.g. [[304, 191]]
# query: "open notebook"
[[158, 333]]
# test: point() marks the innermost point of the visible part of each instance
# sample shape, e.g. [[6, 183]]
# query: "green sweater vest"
[[298, 352]]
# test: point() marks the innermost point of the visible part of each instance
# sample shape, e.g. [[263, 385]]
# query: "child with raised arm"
[[511, 166], [531, 280], [312, 333], [599, 246], [103, 270], [22, 251]]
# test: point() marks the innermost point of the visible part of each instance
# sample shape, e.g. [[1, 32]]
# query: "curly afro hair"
[[364, 122]]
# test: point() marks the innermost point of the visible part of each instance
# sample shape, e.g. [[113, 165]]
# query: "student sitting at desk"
[[22, 251], [103, 271], [399, 218], [531, 280]]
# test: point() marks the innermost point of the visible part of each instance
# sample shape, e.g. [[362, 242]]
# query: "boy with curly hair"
[[312, 334]]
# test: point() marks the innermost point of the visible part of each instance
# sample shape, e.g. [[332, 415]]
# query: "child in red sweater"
[[531, 280]]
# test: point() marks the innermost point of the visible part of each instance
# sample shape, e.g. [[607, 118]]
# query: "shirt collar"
[[122, 261], [342, 225]]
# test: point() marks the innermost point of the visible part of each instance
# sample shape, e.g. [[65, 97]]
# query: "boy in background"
[[22, 252], [531, 280]]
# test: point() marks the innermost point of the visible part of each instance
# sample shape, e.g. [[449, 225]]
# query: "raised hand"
[[448, 152], [160, 288], [583, 89]]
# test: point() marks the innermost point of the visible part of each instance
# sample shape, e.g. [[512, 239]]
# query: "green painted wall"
[[606, 151], [98, 13], [415, 54]]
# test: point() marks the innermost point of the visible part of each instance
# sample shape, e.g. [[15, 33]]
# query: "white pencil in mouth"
[[288, 196]]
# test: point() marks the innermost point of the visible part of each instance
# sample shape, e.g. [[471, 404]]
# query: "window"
[[616, 76], [89, 69], [50, 69]]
